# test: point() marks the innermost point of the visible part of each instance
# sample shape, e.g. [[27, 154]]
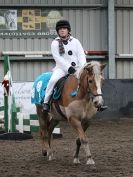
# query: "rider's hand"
[[71, 70]]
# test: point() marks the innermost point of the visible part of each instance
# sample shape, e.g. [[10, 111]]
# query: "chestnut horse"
[[78, 109]]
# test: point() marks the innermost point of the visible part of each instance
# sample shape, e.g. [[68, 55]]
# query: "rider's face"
[[63, 32]]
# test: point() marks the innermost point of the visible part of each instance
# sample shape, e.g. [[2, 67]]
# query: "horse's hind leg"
[[43, 137], [51, 127], [85, 125], [46, 131], [43, 122]]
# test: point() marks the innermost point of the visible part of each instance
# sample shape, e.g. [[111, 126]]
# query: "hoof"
[[90, 162], [76, 161], [50, 156], [44, 153]]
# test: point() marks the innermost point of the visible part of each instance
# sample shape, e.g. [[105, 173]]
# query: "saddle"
[[58, 88]]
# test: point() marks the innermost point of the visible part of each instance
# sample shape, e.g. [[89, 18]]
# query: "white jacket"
[[64, 61]]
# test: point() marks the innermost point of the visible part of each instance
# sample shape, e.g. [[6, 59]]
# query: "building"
[[101, 25]]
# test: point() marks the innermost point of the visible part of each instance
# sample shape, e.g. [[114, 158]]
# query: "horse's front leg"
[[76, 155], [85, 124], [76, 124]]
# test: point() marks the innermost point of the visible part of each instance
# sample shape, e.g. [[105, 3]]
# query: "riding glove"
[[71, 70]]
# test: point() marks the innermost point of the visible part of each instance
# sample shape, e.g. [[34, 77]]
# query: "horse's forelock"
[[95, 65], [96, 68]]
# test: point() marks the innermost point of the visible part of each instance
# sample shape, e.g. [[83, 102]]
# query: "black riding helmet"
[[63, 23]]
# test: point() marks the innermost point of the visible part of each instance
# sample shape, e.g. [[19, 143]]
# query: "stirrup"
[[46, 107]]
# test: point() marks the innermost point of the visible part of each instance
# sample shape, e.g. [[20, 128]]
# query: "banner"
[[22, 93], [29, 23]]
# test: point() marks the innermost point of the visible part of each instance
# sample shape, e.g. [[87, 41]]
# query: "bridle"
[[92, 95]]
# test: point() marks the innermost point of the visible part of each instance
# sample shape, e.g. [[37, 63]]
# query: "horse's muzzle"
[[98, 101]]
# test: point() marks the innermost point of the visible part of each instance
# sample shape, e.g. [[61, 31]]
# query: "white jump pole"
[[23, 53]]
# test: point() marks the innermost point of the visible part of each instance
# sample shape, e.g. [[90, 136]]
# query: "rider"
[[69, 56]]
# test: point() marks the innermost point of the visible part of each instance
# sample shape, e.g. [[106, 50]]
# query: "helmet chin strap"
[[65, 37]]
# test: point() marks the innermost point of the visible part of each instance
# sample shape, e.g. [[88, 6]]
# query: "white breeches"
[[57, 74]]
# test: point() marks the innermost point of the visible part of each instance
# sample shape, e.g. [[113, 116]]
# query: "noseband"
[[92, 96]]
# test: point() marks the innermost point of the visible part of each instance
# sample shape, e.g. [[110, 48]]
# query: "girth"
[[57, 106]]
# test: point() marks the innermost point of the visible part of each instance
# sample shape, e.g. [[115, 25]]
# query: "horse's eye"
[[90, 81]]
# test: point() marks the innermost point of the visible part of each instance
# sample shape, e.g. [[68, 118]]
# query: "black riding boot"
[[102, 108]]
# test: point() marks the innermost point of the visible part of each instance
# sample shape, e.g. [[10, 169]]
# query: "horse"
[[77, 109]]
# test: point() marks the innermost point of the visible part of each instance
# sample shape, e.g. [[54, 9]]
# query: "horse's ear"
[[103, 66], [89, 69]]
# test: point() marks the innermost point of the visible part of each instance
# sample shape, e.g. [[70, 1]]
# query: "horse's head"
[[92, 78]]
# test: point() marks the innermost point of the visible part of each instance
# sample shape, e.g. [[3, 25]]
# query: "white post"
[[20, 123]]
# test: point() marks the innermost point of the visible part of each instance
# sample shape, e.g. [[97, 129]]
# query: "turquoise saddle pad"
[[39, 88]]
